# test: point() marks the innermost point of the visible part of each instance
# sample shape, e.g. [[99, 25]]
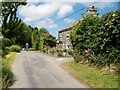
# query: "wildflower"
[[86, 51], [89, 49]]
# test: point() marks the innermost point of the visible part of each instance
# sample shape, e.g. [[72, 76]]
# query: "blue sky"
[[44, 14]]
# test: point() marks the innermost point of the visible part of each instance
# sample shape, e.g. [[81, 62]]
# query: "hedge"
[[97, 39]]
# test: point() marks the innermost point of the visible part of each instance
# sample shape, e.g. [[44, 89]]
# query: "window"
[[67, 37], [68, 46]]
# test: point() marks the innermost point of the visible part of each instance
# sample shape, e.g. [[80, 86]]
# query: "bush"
[[101, 61], [5, 42], [70, 52], [32, 49], [76, 56], [6, 71], [1, 52], [60, 55], [7, 75], [110, 34], [6, 50], [64, 50], [45, 50], [15, 48], [60, 49], [53, 51], [101, 35]]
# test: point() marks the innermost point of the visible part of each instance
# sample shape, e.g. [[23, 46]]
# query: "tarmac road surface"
[[34, 70]]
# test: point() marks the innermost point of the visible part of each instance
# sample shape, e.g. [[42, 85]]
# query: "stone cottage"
[[64, 34]]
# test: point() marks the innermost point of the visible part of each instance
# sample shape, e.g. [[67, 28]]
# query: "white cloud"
[[67, 20], [35, 10], [64, 10], [46, 23], [32, 12], [27, 20]]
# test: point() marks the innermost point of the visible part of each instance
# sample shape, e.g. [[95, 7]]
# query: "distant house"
[[64, 34]]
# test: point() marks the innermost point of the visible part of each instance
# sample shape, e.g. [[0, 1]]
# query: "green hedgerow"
[[15, 48]]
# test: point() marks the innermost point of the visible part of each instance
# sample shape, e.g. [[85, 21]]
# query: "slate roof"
[[67, 28]]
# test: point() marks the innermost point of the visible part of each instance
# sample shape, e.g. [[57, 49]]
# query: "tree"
[[9, 20], [41, 39], [46, 39], [35, 38], [12, 27], [9, 10], [23, 35], [49, 41]]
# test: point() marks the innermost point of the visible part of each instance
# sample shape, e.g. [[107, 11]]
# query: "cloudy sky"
[[44, 13]]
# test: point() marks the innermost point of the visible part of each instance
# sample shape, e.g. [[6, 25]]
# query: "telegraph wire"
[[74, 13]]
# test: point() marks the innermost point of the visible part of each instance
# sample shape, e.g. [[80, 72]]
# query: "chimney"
[[92, 11]]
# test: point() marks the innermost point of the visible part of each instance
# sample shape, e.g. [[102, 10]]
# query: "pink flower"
[[86, 51], [89, 49]]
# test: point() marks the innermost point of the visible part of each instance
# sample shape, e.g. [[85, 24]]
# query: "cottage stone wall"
[[64, 38]]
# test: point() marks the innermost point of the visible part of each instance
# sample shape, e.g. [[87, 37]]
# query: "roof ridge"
[[70, 25]]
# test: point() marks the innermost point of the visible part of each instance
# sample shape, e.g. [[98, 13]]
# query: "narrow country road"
[[34, 70]]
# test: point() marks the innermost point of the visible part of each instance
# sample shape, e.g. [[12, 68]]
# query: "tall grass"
[[7, 74]]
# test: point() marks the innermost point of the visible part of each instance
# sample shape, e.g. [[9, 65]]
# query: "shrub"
[[32, 49], [60, 55], [1, 52], [101, 61], [101, 35], [53, 51], [15, 48], [70, 52], [76, 56], [6, 71], [6, 50], [7, 75], [5, 42], [110, 34], [45, 50], [64, 50], [59, 49]]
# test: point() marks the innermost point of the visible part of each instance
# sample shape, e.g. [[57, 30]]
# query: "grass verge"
[[7, 74], [90, 76]]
